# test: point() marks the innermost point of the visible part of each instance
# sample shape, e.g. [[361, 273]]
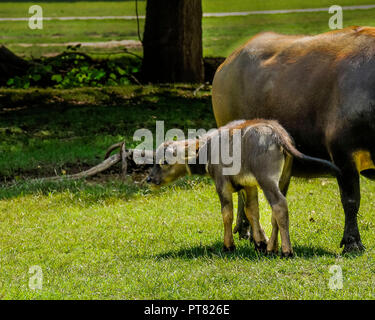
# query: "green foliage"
[[33, 76], [73, 69]]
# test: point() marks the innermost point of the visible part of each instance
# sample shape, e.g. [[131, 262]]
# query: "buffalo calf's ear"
[[191, 149], [174, 151], [161, 164]]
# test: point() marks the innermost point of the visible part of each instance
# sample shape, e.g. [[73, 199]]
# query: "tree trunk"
[[173, 41], [10, 65]]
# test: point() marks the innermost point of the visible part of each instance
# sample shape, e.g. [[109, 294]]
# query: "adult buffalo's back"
[[321, 89]]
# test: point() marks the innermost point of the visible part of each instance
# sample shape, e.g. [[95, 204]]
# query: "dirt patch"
[[137, 173], [129, 44]]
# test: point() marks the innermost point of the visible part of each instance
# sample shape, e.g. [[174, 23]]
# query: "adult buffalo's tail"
[[286, 142]]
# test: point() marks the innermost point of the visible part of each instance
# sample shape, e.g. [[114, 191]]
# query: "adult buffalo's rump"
[[321, 89]]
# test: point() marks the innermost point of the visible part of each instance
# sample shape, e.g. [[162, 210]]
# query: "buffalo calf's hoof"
[[271, 253], [261, 246], [230, 249], [288, 254]]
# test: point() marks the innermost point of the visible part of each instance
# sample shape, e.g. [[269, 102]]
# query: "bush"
[[74, 69]]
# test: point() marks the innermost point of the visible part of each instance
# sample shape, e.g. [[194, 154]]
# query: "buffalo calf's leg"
[[252, 213], [280, 212], [279, 215], [227, 213], [273, 245]]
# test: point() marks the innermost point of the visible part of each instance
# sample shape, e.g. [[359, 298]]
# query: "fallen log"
[[139, 157], [109, 162]]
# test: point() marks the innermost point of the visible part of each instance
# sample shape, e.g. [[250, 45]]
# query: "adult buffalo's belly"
[[265, 79], [369, 174]]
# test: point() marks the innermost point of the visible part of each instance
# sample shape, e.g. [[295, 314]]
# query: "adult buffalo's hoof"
[[244, 234], [288, 254], [243, 231], [230, 249], [351, 245], [261, 246]]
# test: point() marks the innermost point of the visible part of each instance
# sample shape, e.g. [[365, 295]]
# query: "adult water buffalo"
[[322, 90]]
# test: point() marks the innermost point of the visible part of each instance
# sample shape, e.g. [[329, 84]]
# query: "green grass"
[[116, 8], [76, 30], [109, 239], [61, 32], [115, 241], [223, 35], [68, 9], [253, 5], [220, 35]]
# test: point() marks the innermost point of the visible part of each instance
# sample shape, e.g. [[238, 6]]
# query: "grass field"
[[106, 238], [220, 35], [223, 35], [111, 8]]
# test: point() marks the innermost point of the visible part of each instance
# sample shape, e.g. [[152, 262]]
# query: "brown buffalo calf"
[[264, 152]]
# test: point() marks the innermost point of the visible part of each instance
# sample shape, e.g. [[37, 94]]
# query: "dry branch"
[[109, 162], [124, 156], [124, 163]]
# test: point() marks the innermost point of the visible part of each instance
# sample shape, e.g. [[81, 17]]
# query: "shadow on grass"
[[247, 252]]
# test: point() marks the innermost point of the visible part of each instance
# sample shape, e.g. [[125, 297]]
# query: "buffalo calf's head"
[[171, 162]]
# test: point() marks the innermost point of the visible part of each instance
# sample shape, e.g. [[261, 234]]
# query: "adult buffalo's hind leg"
[[286, 175], [350, 198], [243, 226]]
